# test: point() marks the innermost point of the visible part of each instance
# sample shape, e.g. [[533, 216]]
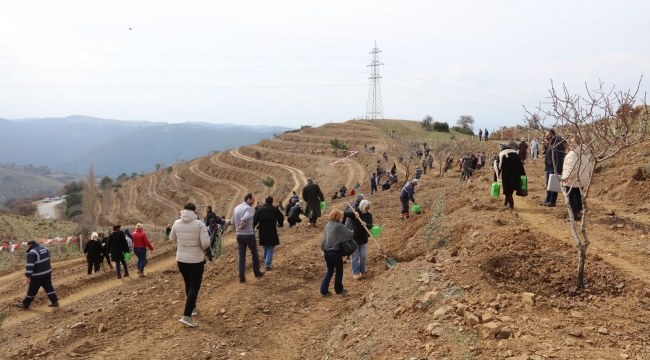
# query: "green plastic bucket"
[[416, 209], [127, 256], [323, 205], [496, 189], [524, 182]]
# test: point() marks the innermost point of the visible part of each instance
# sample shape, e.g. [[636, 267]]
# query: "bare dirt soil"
[[498, 285]]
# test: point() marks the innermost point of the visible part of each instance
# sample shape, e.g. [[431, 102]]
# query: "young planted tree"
[[598, 125], [268, 182]]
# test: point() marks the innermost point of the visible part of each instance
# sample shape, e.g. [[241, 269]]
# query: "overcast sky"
[[305, 62]]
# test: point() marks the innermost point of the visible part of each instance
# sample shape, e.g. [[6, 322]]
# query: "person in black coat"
[[312, 194], [209, 214], [268, 219], [117, 246], [105, 255], [509, 166], [555, 149], [93, 253], [294, 215], [360, 218]]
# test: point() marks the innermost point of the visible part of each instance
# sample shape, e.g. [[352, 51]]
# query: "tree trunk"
[[582, 253]]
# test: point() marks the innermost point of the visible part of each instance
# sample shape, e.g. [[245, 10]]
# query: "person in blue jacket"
[[405, 195], [39, 273]]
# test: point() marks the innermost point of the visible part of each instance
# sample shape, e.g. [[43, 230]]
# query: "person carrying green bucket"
[[405, 195]]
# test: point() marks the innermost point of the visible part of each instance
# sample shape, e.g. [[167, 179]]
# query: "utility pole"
[[374, 108]]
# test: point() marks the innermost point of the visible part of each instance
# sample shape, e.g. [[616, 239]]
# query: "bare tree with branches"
[[89, 201], [403, 149], [599, 124]]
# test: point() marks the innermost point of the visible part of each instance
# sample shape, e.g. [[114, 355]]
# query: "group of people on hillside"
[[470, 164], [568, 162]]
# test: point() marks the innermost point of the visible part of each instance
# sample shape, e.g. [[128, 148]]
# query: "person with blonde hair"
[[334, 234], [93, 253], [140, 245]]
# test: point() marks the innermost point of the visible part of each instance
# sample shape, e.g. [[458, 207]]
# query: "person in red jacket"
[[140, 245]]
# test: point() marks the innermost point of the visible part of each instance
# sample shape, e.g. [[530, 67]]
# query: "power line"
[[176, 56], [110, 87], [503, 88]]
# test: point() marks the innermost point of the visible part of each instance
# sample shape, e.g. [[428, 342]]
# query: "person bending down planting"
[[405, 195], [334, 234], [39, 273], [242, 223], [192, 237]]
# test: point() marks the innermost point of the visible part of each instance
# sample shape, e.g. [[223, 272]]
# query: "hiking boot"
[[260, 275], [119, 276], [195, 311], [242, 281], [21, 306], [188, 321], [549, 204], [327, 294], [342, 291], [56, 304], [543, 203], [126, 274]]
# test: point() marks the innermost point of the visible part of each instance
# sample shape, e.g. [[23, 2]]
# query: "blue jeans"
[[334, 262], [551, 196], [46, 282], [117, 267], [141, 253], [243, 242], [359, 259], [268, 255]]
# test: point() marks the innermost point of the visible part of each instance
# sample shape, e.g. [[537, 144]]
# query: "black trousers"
[[509, 199], [35, 284], [192, 275], [575, 200], [96, 264]]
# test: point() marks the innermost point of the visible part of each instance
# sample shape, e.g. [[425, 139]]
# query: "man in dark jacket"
[[523, 150], [385, 186], [511, 169], [313, 196], [405, 195], [117, 246], [39, 273], [373, 183], [293, 214], [486, 135], [267, 220], [209, 214], [553, 160]]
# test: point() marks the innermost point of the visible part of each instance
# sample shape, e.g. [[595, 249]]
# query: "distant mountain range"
[[72, 143]]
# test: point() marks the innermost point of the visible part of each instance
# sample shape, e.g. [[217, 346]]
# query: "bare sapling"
[[403, 151], [590, 129]]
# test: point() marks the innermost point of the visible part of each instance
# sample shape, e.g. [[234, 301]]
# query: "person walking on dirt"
[[483, 157], [209, 214], [38, 272], [292, 203], [511, 169], [480, 134], [486, 134], [267, 220], [117, 246], [313, 196], [385, 156], [425, 165], [140, 245], [242, 223], [534, 150], [360, 217], [430, 162], [553, 160], [466, 166], [191, 235], [168, 230], [577, 167], [333, 235], [293, 215], [213, 229], [523, 151], [418, 172], [373, 183], [129, 239], [106, 256], [405, 195], [93, 253]]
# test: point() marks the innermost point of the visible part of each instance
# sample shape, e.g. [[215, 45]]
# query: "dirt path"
[[217, 161], [240, 190], [131, 204], [48, 210], [151, 191], [299, 178], [116, 205]]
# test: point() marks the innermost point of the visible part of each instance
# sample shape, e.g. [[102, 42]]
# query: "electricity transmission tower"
[[374, 109]]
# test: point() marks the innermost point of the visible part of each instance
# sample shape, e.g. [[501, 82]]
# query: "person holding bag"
[[334, 235], [509, 166], [117, 246]]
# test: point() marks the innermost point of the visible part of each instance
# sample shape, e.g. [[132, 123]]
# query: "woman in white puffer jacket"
[[577, 168], [192, 237]]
